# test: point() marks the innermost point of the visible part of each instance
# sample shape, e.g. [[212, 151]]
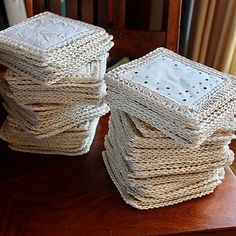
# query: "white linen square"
[[174, 80], [47, 30]]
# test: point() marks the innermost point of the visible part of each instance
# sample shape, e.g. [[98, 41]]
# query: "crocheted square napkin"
[[34, 46], [90, 73], [48, 120], [147, 161], [53, 73], [183, 99], [45, 120], [134, 130], [134, 198], [38, 38], [23, 91], [72, 142], [151, 171]]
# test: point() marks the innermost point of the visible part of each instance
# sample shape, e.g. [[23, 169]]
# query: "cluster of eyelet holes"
[[184, 99]]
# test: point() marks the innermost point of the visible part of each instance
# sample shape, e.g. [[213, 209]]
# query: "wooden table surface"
[[64, 196], [53, 195]]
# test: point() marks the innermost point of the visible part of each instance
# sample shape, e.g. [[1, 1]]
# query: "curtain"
[[212, 38]]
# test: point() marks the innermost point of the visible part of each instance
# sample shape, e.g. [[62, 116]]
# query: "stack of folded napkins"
[[171, 122], [54, 88], [185, 100]]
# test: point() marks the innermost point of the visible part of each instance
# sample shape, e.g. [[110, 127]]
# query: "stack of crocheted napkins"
[[170, 126], [187, 101], [53, 89]]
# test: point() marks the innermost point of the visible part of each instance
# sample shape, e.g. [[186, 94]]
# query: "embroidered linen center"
[[44, 32], [174, 80]]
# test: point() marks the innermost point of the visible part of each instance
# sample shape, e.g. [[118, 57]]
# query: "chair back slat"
[[72, 9], [87, 11], [173, 24], [38, 6], [119, 14], [55, 6], [29, 8], [102, 13]]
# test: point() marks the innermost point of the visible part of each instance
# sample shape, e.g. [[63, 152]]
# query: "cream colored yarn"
[[170, 125], [152, 171], [53, 90], [46, 120], [140, 88], [143, 203], [48, 54], [72, 142]]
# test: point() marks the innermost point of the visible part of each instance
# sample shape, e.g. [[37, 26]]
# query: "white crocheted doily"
[[45, 32], [185, 100]]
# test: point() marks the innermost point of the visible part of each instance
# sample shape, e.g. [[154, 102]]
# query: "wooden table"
[[64, 196], [53, 195]]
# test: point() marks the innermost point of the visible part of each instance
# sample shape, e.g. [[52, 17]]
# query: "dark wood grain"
[[47, 195], [87, 11], [119, 14], [29, 7], [38, 6], [139, 42], [138, 14], [136, 43], [55, 6], [173, 25], [72, 9], [102, 13]]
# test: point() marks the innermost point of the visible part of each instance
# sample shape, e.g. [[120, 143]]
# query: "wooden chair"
[[128, 42]]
